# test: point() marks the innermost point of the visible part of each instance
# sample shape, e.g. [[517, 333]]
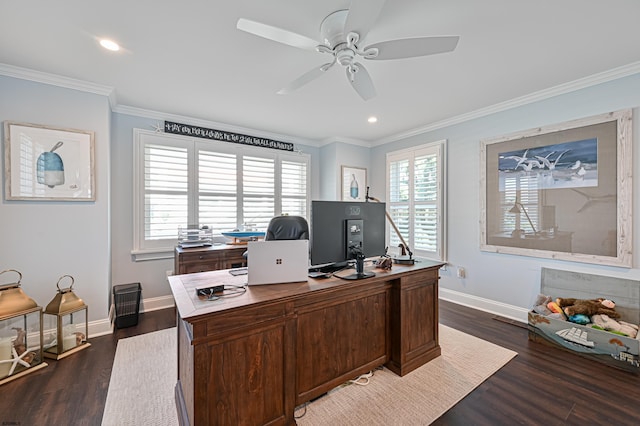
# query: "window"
[[415, 199], [520, 205], [182, 181]]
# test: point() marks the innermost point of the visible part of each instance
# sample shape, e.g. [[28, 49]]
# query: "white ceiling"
[[188, 59]]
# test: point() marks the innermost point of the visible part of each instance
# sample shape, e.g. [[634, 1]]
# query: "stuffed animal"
[[588, 307], [554, 307], [579, 319], [608, 324], [556, 311], [540, 305]]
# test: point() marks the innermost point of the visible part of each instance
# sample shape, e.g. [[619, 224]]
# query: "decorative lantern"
[[20, 332], [66, 325]]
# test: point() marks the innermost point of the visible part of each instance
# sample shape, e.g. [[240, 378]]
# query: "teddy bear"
[[588, 307]]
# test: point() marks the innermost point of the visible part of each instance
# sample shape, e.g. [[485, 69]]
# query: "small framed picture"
[[47, 163], [354, 183]]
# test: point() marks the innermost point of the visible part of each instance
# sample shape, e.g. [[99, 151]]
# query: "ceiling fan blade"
[[361, 81], [412, 47], [305, 79], [277, 34], [362, 15]]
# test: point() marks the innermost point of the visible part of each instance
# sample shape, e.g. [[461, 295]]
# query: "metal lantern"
[[20, 332], [66, 325]]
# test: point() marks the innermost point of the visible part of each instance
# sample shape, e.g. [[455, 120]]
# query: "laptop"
[[277, 261]]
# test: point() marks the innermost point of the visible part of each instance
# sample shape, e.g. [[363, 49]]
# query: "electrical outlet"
[[461, 272]]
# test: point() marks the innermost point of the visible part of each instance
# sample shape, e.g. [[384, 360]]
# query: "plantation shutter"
[[415, 199], [182, 181], [509, 221], [258, 191], [165, 190], [426, 201], [294, 188], [529, 200], [525, 190], [217, 189], [398, 205]]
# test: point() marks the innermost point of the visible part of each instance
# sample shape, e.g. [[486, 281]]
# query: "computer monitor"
[[340, 228]]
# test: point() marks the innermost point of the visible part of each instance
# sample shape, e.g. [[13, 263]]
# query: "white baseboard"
[[515, 313], [105, 326], [100, 327], [156, 303]]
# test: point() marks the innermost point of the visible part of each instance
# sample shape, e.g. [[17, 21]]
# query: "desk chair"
[[286, 228]]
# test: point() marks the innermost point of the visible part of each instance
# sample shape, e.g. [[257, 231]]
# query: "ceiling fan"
[[342, 34]]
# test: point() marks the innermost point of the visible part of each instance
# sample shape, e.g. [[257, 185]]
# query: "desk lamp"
[[406, 258], [519, 208]]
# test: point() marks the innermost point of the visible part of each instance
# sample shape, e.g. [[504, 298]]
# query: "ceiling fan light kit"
[[332, 27], [340, 32]]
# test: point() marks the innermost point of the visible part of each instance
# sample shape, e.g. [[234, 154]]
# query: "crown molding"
[[593, 80], [60, 81], [351, 141], [110, 92]]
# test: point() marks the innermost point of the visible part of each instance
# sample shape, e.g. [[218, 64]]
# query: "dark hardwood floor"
[[73, 390], [542, 385]]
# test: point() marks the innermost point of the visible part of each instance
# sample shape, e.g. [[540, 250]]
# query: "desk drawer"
[[232, 259], [192, 267], [199, 262], [208, 259]]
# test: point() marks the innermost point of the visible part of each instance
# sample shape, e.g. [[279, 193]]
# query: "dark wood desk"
[[251, 359], [212, 258]]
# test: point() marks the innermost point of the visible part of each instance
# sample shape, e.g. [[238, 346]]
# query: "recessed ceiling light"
[[372, 119], [109, 45]]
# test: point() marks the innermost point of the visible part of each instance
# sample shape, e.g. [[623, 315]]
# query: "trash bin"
[[126, 298]]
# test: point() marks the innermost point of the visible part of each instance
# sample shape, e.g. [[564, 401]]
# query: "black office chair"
[[285, 228]]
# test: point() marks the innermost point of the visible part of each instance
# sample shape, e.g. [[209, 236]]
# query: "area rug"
[[143, 378], [141, 390], [419, 397]]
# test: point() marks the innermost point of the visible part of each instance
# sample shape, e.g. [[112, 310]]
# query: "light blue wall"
[[45, 240], [329, 172], [150, 274], [509, 279], [332, 157], [93, 241]]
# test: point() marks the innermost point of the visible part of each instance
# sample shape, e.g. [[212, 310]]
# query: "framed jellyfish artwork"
[[48, 163]]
